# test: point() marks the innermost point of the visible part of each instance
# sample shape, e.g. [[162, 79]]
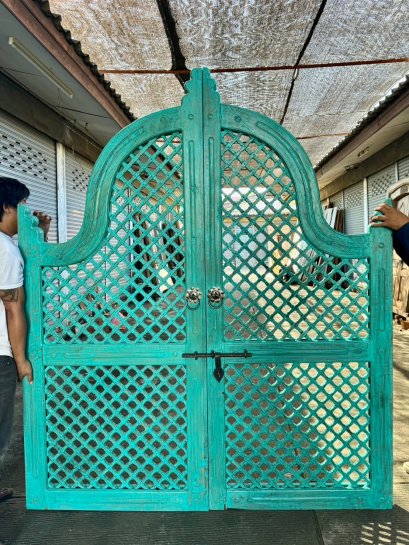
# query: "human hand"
[[24, 369], [44, 221], [391, 217]]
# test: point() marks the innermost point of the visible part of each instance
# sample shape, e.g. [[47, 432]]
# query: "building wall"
[[360, 191], [33, 158]]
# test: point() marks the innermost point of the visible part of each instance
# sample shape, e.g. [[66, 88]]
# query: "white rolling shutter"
[[403, 168], [29, 156], [354, 209], [77, 172], [337, 200], [378, 185]]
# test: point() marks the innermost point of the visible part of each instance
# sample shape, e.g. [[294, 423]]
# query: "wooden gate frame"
[[202, 103]]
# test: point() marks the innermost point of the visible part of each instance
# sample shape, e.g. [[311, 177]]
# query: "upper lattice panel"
[[122, 293], [279, 285]]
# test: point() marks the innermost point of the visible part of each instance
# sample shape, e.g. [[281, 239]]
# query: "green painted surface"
[[203, 196]]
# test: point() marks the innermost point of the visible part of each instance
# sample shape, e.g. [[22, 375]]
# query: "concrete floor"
[[21, 527]]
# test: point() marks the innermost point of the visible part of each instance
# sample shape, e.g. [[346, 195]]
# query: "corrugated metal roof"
[[76, 44]]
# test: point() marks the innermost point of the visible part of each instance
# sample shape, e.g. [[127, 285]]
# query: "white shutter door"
[[77, 172], [354, 209], [403, 168], [29, 156], [337, 200], [378, 185]]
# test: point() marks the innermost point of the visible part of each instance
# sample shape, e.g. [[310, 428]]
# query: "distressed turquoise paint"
[[201, 196]]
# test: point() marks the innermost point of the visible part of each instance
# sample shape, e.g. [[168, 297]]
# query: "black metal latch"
[[218, 372]]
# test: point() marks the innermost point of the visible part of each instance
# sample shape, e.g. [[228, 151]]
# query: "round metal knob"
[[215, 296], [193, 296]]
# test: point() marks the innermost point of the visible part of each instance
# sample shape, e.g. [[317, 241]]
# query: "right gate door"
[[299, 397]]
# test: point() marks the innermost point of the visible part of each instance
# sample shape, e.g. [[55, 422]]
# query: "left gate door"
[[116, 419]]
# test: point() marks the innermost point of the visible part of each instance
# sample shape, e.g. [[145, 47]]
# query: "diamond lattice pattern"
[[132, 289], [278, 285], [116, 427], [298, 426]]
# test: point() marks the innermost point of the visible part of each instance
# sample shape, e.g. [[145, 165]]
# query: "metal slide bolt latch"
[[193, 296], [218, 371], [215, 297]]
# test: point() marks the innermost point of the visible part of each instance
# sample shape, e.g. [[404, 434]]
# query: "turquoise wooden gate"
[[206, 340]]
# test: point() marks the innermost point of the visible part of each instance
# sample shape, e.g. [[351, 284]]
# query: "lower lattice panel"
[[116, 427], [298, 426]]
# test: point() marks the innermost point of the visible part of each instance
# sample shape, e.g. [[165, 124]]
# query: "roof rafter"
[[300, 56], [178, 59], [278, 68]]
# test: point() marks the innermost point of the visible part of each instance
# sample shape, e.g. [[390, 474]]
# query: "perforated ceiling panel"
[[117, 33], [383, 32], [148, 93], [325, 103], [242, 33], [262, 92]]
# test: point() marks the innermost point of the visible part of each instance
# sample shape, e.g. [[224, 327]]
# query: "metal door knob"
[[215, 296], [193, 296]]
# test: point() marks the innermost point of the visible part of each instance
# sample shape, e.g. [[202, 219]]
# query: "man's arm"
[[14, 300], [390, 217], [399, 223]]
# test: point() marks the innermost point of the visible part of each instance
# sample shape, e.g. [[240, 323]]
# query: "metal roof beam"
[[178, 59], [300, 56]]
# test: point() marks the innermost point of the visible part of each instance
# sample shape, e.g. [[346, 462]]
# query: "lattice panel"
[[133, 288], [298, 426], [278, 285], [116, 427]]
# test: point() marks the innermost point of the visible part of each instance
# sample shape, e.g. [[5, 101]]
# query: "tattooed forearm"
[[9, 296]]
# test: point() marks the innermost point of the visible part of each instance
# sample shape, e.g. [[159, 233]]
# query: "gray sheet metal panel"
[[354, 209], [29, 156], [77, 172], [378, 184], [403, 168]]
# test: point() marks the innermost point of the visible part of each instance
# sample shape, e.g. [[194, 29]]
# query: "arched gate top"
[[201, 109]]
